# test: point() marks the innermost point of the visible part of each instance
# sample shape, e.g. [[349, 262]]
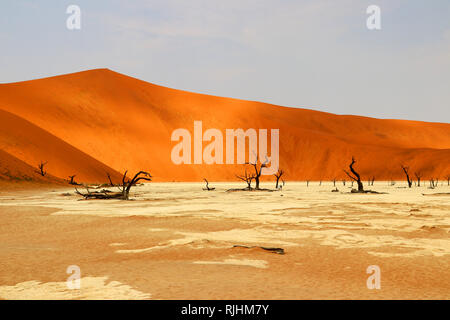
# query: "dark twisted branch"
[[41, 168], [258, 169], [207, 186], [124, 188], [406, 171], [247, 178], [355, 176], [278, 176]]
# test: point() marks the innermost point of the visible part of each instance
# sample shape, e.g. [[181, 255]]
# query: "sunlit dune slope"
[[24, 146], [126, 123]]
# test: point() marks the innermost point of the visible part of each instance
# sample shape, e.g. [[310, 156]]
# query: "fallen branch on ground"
[[437, 194], [274, 250], [124, 188]]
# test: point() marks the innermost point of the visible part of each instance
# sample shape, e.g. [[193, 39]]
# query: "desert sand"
[[97, 121], [176, 241]]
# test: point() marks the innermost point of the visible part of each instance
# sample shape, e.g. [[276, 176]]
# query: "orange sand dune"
[[15, 170], [30, 145], [126, 123]]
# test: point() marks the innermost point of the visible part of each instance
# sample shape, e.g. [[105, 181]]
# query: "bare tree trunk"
[[72, 181], [432, 186], [406, 170], [110, 180], [41, 168], [418, 177], [258, 169], [278, 176], [355, 177], [247, 178], [257, 181]]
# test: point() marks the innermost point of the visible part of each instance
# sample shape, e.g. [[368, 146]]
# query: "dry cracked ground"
[[176, 241]]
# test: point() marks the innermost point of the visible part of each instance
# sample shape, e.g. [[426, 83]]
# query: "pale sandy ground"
[[175, 241]]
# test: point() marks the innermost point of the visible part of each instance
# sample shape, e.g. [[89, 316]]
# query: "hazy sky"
[[316, 54]]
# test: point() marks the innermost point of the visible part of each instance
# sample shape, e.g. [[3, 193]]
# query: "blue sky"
[[316, 54]]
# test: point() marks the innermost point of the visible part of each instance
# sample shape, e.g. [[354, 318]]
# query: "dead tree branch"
[[207, 186]]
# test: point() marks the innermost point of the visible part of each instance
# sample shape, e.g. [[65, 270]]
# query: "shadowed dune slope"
[[127, 123], [24, 146], [15, 170]]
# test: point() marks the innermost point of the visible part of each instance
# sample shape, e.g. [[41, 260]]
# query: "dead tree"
[[258, 169], [355, 176], [406, 171], [371, 181], [448, 179], [307, 183], [278, 176], [124, 188], [41, 168], [140, 176], [247, 178], [343, 182], [207, 186], [418, 177], [433, 183], [72, 181], [334, 182]]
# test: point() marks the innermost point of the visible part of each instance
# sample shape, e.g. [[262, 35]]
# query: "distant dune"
[[99, 121], [24, 145]]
